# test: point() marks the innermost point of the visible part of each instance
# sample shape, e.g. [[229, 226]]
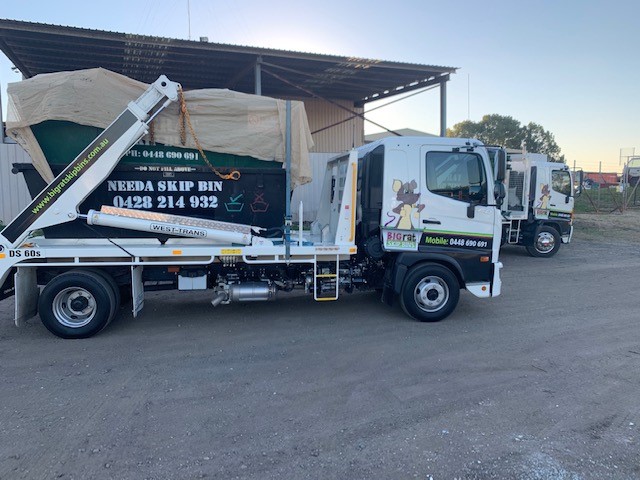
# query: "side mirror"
[[501, 165], [471, 210], [578, 180], [499, 192]]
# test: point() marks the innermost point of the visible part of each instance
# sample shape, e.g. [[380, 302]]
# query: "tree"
[[539, 140], [507, 131]]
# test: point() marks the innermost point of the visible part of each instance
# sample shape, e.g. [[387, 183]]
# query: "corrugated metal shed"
[[40, 48], [14, 195], [331, 86]]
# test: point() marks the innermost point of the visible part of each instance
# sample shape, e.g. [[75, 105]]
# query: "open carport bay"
[[539, 383]]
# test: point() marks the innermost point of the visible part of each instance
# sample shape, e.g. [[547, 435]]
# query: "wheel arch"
[[407, 260], [119, 274], [554, 225]]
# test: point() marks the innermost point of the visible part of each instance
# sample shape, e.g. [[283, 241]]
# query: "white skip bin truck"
[[417, 218], [538, 209]]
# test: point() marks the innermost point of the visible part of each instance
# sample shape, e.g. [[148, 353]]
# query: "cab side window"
[[456, 175], [561, 182]]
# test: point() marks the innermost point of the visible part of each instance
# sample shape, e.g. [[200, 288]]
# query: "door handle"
[[432, 221]]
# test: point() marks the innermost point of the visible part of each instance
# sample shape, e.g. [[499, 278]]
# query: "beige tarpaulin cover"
[[224, 121]]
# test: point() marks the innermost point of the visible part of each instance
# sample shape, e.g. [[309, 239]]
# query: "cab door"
[[561, 200], [459, 213]]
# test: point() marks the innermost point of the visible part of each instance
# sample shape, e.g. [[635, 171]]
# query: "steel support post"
[[443, 109], [258, 75]]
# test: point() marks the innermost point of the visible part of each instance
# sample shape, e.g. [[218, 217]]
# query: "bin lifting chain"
[[186, 118]]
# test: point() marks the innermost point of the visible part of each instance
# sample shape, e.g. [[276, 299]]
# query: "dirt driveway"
[[540, 383]]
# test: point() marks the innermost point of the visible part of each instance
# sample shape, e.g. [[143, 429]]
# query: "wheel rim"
[[74, 307], [545, 242], [431, 293]]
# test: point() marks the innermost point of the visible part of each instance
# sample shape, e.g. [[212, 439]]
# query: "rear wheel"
[[430, 293], [114, 288], [77, 304], [546, 242]]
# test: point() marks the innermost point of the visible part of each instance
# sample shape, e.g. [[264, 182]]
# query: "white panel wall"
[[310, 193], [14, 195]]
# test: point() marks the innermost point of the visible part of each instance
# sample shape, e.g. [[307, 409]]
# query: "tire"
[[117, 297], [95, 304], [429, 293], [546, 242]]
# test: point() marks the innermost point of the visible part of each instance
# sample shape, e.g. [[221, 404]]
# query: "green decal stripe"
[[473, 234]]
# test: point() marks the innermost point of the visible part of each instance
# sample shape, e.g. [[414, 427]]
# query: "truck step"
[[326, 285]]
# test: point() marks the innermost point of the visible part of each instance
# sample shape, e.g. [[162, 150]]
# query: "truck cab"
[[428, 210], [538, 211]]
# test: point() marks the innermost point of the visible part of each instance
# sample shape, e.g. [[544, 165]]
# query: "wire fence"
[[609, 192], [604, 197]]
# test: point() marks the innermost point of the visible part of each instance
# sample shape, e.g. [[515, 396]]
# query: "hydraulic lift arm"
[[58, 202]]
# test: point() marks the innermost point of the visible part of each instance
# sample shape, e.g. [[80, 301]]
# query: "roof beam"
[[404, 89]]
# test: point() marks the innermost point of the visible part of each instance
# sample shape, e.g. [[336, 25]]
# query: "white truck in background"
[[416, 218], [538, 208]]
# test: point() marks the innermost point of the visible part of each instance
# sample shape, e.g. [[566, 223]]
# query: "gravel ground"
[[615, 227], [540, 383]]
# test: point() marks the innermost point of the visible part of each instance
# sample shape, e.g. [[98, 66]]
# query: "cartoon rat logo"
[[408, 207], [546, 196]]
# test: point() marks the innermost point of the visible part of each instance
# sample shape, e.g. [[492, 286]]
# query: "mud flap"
[[137, 289], [8, 288], [388, 295], [27, 295]]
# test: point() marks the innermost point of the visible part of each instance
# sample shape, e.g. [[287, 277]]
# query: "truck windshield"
[[634, 163]]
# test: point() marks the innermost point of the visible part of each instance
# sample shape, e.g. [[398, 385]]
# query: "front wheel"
[[546, 242], [76, 304], [429, 293]]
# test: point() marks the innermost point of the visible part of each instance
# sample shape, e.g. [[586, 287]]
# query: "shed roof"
[[36, 48]]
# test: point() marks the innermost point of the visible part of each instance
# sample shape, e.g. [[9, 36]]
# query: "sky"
[[570, 65]]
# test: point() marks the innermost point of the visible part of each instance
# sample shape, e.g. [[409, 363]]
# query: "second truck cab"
[[538, 211]]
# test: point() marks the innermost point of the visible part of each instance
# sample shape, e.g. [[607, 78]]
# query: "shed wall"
[[336, 139]]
